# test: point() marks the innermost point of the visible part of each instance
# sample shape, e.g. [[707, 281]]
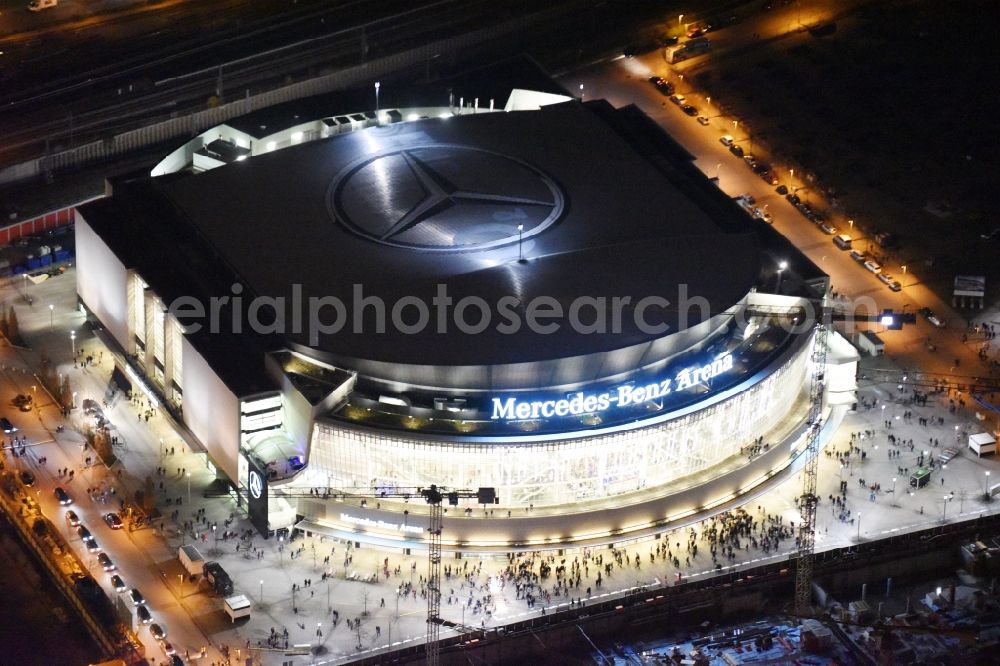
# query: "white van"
[[39, 5], [843, 241]]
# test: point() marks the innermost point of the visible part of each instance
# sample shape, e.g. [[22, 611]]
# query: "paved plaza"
[[299, 587]]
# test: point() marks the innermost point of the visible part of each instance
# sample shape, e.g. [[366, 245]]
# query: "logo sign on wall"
[[583, 402], [256, 485], [257, 492]]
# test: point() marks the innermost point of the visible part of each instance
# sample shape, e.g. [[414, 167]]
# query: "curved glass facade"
[[566, 471]]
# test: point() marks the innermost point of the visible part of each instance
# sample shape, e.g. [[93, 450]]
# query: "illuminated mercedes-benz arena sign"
[[590, 431]]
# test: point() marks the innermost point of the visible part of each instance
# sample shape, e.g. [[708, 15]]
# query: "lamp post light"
[[51, 309], [72, 339], [944, 509], [680, 20], [378, 84], [581, 92], [841, 472], [261, 591], [859, 526], [520, 233], [717, 168], [986, 486], [782, 265]]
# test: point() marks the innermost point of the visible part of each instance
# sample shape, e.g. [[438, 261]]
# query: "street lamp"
[[72, 339], [986, 486], [841, 472], [680, 20], [782, 265], [51, 308], [944, 508], [851, 224], [581, 92], [859, 526], [261, 591], [520, 232], [717, 168], [181, 578], [378, 84]]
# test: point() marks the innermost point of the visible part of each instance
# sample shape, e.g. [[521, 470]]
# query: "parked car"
[[72, 519], [895, 286], [113, 520], [7, 426], [929, 315], [769, 177], [118, 584], [690, 110], [106, 562], [678, 99], [726, 140], [84, 533], [63, 496], [168, 649], [92, 546], [137, 598], [736, 149], [702, 120], [781, 189], [21, 399], [661, 84], [873, 267], [27, 478], [858, 256], [793, 198], [886, 278], [828, 228], [143, 614], [157, 632]]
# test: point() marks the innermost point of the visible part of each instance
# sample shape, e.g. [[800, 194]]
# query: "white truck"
[[237, 606], [192, 560]]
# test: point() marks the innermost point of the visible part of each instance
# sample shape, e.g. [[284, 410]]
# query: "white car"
[[678, 99], [886, 278], [726, 140], [873, 267]]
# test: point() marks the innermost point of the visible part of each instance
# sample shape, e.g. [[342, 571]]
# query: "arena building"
[[545, 298]]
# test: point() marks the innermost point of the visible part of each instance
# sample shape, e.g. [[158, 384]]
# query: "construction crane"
[[808, 499], [435, 497]]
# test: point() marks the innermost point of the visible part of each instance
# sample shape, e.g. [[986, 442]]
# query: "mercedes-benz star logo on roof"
[[444, 197]]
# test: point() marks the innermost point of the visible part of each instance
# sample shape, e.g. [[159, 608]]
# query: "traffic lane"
[[140, 555], [126, 555], [624, 81]]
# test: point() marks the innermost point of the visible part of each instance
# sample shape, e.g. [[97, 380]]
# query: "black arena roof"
[[402, 209], [608, 205]]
